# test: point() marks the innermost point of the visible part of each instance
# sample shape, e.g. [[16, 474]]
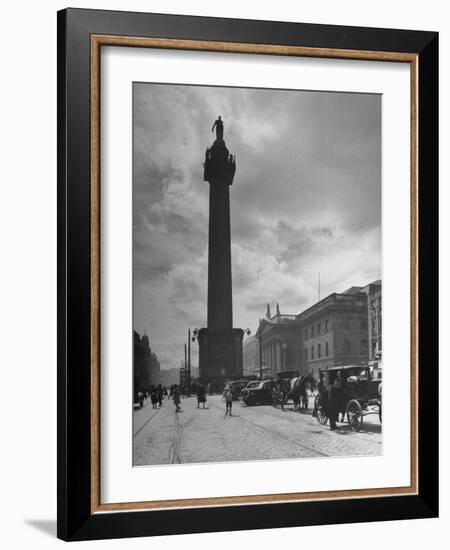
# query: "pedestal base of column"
[[220, 356]]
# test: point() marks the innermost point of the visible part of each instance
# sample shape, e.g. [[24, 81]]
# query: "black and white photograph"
[[257, 274], [220, 221]]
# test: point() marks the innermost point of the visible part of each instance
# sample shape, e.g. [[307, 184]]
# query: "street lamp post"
[[189, 364], [260, 356], [185, 369]]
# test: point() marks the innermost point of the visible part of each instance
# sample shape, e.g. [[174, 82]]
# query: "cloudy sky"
[[306, 198]]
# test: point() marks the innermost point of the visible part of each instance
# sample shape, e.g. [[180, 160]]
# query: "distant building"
[[155, 369], [251, 356], [278, 335], [146, 366], [170, 376], [195, 372]]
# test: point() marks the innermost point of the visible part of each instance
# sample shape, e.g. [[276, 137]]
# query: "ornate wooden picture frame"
[[81, 36]]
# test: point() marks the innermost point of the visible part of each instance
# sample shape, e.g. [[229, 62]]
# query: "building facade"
[[278, 335], [334, 332], [341, 329], [374, 317], [146, 366], [169, 376]]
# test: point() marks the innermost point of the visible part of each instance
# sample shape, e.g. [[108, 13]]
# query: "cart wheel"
[[316, 402], [322, 418], [354, 415], [379, 414]]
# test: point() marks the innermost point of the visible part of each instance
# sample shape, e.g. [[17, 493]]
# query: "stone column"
[[220, 344]]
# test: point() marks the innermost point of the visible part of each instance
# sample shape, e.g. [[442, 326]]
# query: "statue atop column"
[[219, 165], [218, 125]]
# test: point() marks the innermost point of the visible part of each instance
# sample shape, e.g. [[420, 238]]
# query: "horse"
[[299, 391]]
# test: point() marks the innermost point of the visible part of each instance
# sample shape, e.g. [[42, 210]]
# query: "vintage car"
[[236, 387], [258, 393]]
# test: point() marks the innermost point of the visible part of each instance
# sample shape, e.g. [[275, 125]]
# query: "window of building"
[[363, 347], [346, 346], [319, 328], [363, 324], [319, 351], [306, 334], [347, 323], [326, 326], [326, 349], [306, 354], [312, 331], [312, 352]]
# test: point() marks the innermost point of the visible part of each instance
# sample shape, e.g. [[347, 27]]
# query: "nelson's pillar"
[[220, 345]]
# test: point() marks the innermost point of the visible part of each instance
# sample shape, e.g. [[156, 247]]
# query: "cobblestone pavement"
[[163, 436]]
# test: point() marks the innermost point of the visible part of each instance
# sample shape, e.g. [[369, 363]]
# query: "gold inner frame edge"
[[97, 41]]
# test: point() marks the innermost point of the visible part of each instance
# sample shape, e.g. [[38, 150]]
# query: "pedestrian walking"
[[322, 390], [228, 397], [343, 395], [153, 397], [334, 402], [176, 395], [274, 396], [141, 397], [201, 395], [159, 394]]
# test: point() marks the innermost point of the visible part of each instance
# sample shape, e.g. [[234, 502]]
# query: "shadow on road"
[[365, 429]]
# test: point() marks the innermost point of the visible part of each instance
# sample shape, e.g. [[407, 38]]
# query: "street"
[[162, 436]]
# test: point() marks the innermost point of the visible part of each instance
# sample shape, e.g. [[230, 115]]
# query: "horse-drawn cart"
[[359, 394]]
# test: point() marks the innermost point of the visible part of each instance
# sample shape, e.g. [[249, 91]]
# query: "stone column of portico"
[[271, 357], [274, 357], [277, 365]]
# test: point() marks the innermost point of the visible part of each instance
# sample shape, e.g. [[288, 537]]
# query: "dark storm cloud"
[[306, 198]]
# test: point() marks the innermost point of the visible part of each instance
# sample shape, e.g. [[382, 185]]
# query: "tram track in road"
[[146, 422], [274, 433], [174, 451]]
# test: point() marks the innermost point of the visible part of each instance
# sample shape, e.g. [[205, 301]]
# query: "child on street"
[[228, 397]]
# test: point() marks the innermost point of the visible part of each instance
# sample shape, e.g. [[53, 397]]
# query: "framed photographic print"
[[247, 248]]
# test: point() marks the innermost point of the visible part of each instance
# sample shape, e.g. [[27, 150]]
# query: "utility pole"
[[189, 364], [185, 364]]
